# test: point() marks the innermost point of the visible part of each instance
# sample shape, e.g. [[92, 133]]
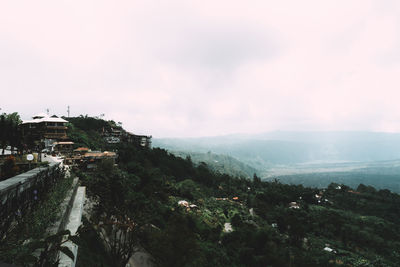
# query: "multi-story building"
[[118, 135], [45, 129], [112, 136], [140, 140]]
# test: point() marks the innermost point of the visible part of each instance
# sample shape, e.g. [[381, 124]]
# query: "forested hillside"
[[187, 215], [352, 179], [219, 163], [332, 227], [86, 131]]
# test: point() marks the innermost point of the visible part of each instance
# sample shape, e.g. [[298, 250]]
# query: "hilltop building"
[[117, 135], [112, 136], [44, 129], [140, 140]]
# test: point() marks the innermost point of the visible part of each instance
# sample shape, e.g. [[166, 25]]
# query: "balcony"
[[57, 127], [56, 135]]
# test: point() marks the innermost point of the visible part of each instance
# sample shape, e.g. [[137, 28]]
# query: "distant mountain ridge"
[[263, 150]]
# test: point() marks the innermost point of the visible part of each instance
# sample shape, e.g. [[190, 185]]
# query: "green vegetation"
[[351, 178], [220, 163], [29, 243], [86, 131], [9, 168], [188, 214], [16, 164], [91, 249], [10, 134], [358, 228]]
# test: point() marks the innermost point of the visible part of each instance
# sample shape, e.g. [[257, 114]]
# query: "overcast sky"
[[194, 68]]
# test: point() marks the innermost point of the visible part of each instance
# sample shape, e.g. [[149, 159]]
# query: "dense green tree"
[[360, 226], [9, 168], [10, 133]]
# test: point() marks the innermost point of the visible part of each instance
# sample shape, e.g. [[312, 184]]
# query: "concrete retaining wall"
[[72, 224]]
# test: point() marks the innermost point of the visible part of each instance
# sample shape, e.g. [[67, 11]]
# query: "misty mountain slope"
[[263, 150], [220, 163], [256, 153]]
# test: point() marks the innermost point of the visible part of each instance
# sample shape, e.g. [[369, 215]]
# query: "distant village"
[[47, 136]]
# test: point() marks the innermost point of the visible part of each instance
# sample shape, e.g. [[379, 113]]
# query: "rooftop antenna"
[[68, 111]]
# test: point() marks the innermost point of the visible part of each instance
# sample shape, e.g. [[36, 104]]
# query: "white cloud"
[[179, 68]]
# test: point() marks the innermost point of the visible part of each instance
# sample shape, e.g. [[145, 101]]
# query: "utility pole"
[[68, 111]]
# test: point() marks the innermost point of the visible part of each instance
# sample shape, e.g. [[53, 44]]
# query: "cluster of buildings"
[[87, 159], [48, 134], [117, 135]]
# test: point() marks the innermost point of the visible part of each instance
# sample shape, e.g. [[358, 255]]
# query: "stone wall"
[[21, 193]]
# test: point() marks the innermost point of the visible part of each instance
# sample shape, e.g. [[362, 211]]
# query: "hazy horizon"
[[205, 68], [244, 134]]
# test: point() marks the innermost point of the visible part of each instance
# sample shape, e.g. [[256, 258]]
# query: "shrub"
[[9, 168]]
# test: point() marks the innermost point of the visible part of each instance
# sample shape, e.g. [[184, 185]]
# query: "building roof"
[[328, 249], [98, 154], [137, 135], [40, 115], [183, 203], [43, 117], [63, 143], [82, 149]]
